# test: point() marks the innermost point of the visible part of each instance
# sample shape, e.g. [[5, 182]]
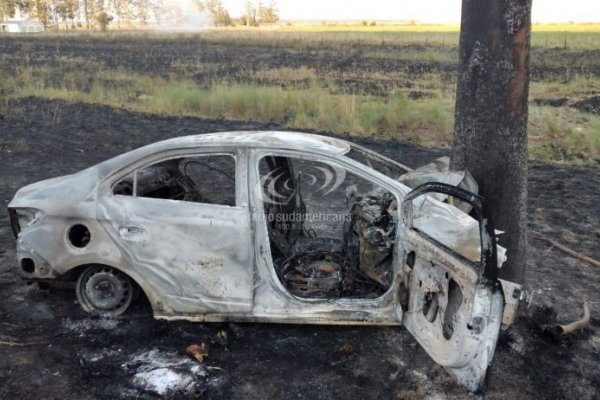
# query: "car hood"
[[439, 171]]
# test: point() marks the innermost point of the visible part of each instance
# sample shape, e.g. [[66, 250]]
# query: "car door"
[[454, 302], [182, 222]]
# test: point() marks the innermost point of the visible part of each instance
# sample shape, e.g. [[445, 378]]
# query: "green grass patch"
[[579, 85], [556, 134], [564, 135]]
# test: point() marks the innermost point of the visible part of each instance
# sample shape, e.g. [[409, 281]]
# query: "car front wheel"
[[104, 291]]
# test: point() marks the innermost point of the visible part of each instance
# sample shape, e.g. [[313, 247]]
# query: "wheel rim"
[[104, 290]]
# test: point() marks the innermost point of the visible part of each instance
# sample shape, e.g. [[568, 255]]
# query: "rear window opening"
[[331, 232]]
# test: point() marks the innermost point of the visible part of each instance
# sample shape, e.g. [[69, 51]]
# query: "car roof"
[[257, 139], [266, 139]]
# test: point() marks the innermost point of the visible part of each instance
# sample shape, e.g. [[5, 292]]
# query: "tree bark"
[[490, 129]]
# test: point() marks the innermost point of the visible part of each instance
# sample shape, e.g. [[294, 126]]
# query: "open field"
[[582, 36], [68, 102], [401, 88]]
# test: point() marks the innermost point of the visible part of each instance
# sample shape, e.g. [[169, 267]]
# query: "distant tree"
[[268, 14], [89, 9], [66, 10], [103, 20], [142, 10], [85, 6], [215, 8], [250, 14], [122, 10], [40, 10], [7, 9], [222, 18]]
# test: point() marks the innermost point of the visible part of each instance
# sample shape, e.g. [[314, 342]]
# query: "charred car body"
[[276, 227]]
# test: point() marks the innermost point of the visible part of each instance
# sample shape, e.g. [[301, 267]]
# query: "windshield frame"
[[370, 155]]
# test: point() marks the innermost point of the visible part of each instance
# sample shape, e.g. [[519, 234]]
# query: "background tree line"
[[93, 14]]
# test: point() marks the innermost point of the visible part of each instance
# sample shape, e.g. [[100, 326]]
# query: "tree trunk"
[[490, 129], [86, 14]]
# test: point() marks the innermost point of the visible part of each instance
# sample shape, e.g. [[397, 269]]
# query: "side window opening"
[[331, 232], [124, 187], [208, 179]]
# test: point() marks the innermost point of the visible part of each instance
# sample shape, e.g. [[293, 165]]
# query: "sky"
[[435, 11]]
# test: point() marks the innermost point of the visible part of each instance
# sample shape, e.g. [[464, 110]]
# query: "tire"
[[104, 291]]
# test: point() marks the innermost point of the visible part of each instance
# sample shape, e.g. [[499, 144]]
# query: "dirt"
[[61, 353], [589, 104]]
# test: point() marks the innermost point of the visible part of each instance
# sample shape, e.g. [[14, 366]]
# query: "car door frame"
[[170, 307], [383, 310], [469, 349]]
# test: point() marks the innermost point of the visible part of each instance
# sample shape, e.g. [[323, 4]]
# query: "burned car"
[[276, 227]]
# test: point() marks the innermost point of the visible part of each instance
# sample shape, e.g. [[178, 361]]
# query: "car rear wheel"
[[105, 291]]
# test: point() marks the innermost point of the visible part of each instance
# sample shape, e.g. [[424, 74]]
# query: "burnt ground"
[[350, 67], [61, 353]]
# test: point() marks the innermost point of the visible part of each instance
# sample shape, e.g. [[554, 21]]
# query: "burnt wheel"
[[105, 291]]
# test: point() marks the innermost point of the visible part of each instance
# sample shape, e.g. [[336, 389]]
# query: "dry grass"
[[372, 101], [579, 85], [564, 135], [556, 134], [425, 122], [286, 74]]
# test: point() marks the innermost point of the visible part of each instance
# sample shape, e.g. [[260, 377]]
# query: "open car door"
[[455, 302]]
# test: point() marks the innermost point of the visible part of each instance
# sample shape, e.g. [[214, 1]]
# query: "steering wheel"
[[191, 192]]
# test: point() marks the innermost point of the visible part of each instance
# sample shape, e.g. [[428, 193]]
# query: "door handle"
[[128, 231]]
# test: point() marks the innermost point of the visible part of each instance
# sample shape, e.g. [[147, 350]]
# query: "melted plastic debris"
[[166, 373], [162, 381]]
